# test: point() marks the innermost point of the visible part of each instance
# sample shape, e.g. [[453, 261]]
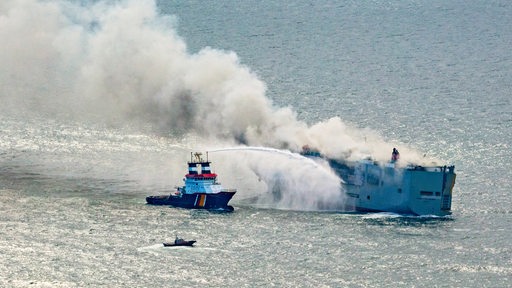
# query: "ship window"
[[399, 190], [426, 193], [373, 180], [438, 193]]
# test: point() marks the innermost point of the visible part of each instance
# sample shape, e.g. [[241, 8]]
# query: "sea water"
[[102, 103]]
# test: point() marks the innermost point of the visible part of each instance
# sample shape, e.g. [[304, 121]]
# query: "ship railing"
[[443, 169]]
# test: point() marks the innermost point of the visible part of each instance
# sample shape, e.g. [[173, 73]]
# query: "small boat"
[[180, 242], [201, 190]]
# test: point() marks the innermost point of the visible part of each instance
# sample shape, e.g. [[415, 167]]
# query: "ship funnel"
[[205, 168], [192, 168], [198, 165]]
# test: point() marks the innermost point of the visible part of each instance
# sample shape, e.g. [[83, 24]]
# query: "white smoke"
[[122, 62], [291, 180]]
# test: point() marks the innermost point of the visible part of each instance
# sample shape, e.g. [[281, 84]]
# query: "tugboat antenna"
[[198, 157]]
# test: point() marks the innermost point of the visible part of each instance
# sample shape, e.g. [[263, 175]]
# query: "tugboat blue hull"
[[210, 201]]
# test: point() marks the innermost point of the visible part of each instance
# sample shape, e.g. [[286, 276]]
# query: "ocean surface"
[[103, 101]]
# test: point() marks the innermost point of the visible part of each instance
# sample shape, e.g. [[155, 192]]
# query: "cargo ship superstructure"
[[372, 186]]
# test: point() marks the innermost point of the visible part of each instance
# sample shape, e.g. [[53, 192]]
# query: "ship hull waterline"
[[218, 201]]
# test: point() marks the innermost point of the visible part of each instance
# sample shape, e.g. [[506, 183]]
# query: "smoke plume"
[[122, 62]]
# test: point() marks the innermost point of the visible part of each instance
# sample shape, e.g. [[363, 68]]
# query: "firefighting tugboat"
[[201, 190]]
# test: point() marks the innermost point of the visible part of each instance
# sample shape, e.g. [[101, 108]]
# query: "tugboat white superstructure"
[[201, 190]]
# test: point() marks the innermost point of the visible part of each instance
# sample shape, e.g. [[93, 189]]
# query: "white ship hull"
[[415, 190]]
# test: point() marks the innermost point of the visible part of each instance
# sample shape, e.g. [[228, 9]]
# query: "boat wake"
[[151, 248], [382, 215], [157, 248], [390, 215]]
